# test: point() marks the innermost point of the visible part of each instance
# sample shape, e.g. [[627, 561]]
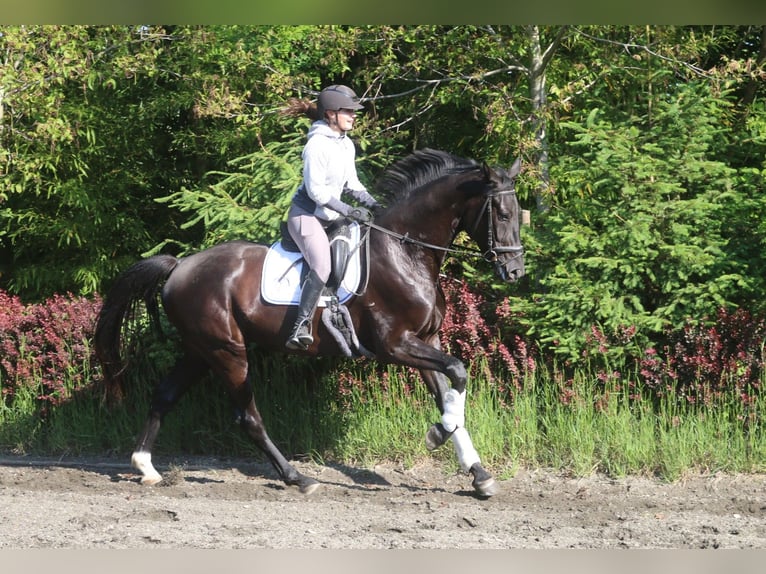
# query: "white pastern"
[[142, 461], [466, 453], [454, 410]]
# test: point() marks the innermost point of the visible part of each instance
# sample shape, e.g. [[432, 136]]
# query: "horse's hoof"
[[486, 488], [142, 462], [151, 480], [305, 484], [309, 487], [436, 436], [483, 482]]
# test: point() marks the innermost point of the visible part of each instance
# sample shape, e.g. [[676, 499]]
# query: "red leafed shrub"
[[45, 346], [703, 360], [468, 334]]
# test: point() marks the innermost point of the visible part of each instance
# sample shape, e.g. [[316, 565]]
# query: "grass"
[[593, 427]]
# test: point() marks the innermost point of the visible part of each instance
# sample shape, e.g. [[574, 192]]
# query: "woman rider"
[[329, 171]]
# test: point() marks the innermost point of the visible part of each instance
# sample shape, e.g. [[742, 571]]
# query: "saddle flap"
[[288, 243]]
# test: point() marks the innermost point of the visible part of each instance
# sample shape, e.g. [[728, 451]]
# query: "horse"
[[213, 300]]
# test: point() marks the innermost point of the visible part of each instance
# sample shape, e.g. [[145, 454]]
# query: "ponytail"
[[301, 107]]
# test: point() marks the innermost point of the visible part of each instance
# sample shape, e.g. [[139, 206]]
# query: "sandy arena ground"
[[224, 504]]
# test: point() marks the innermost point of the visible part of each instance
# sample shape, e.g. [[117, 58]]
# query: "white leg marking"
[[466, 454], [454, 410], [143, 462]]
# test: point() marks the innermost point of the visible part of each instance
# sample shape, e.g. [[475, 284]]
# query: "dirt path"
[[220, 504]]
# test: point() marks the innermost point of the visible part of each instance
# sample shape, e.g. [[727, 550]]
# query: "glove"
[[360, 214], [360, 195]]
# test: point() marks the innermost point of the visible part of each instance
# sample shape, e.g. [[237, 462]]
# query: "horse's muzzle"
[[509, 262], [510, 269]]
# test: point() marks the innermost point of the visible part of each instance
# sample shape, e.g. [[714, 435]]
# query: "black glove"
[[360, 214]]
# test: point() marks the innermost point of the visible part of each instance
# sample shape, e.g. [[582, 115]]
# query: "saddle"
[[284, 270], [339, 234]]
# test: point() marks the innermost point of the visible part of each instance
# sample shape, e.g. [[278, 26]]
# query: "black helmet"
[[336, 98]]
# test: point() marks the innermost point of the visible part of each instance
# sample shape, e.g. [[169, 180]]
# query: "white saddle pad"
[[282, 271]]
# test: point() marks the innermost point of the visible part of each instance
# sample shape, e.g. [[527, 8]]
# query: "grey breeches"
[[309, 234]]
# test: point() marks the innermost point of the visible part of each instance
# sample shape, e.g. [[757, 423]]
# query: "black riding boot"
[[301, 336]]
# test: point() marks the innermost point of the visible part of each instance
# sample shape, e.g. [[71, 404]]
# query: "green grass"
[[19, 427], [600, 428]]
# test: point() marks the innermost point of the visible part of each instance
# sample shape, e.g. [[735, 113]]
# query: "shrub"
[[46, 345], [469, 333], [702, 360]]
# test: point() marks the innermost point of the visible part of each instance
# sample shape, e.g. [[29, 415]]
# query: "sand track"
[[225, 504]]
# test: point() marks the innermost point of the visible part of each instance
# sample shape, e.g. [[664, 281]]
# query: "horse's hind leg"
[[233, 367], [253, 424], [184, 374]]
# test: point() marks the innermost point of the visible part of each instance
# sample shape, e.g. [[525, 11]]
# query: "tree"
[[643, 148], [96, 122], [649, 188]]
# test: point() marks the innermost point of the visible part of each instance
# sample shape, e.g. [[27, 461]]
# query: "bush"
[[46, 346], [470, 333], [702, 361]]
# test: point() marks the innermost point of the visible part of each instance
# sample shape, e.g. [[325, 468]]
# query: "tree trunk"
[[537, 92]]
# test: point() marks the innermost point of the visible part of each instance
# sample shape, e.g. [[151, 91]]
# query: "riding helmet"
[[338, 97]]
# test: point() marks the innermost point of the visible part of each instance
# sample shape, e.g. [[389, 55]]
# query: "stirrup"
[[301, 337]]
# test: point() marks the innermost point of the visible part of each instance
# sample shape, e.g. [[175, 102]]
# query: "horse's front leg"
[[451, 404], [438, 385], [437, 368]]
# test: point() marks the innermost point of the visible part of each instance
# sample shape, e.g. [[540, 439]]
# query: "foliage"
[[468, 334], [248, 203], [639, 236], [95, 122], [119, 141], [703, 361], [45, 347]]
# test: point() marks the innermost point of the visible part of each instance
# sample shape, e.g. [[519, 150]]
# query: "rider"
[[328, 171]]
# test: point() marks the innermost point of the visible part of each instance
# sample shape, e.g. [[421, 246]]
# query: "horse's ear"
[[515, 168], [489, 173]]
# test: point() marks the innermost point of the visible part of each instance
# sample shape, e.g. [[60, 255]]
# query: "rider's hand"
[[360, 214]]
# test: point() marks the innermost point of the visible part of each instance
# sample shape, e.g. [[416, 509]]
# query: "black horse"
[[213, 299]]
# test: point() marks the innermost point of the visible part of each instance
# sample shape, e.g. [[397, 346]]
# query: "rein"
[[407, 239], [489, 255]]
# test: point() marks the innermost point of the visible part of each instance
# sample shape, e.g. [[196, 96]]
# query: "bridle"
[[489, 255], [493, 250]]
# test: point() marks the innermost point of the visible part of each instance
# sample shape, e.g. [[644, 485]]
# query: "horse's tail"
[[140, 282]]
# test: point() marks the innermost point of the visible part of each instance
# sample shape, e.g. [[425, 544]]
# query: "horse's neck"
[[423, 235], [421, 221]]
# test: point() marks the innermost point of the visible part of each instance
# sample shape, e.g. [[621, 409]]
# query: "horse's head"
[[495, 220], [482, 198]]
